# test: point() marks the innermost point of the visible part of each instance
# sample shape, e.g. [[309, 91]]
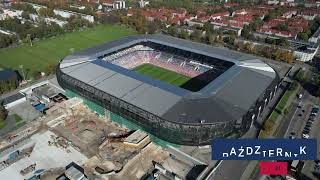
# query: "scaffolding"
[[117, 118]]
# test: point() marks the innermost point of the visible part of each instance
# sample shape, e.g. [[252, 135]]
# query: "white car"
[[305, 136]]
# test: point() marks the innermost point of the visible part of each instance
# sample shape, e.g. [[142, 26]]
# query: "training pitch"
[[52, 50]]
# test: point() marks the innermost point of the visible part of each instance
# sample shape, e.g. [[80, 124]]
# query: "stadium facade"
[[234, 87]]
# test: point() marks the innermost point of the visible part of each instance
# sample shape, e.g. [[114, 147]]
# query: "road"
[[233, 170]]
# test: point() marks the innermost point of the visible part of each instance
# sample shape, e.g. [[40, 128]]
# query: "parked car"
[[305, 136], [311, 119], [308, 125], [305, 131], [313, 115], [309, 122], [315, 111]]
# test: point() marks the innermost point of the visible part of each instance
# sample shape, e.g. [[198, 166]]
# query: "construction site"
[[71, 132]]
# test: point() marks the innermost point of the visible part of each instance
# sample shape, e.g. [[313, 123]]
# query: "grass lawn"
[[162, 74], [17, 118], [51, 50], [278, 109], [2, 123]]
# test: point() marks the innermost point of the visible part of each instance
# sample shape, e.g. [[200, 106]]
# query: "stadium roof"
[[226, 98]]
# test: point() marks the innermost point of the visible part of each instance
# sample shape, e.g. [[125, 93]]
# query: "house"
[[219, 15], [289, 14], [108, 5], [10, 14]]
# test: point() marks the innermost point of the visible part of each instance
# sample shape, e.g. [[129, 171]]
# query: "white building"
[[48, 20], [143, 3], [273, 2], [14, 100], [68, 14], [65, 13], [315, 37], [119, 4], [10, 14], [306, 54], [114, 5]]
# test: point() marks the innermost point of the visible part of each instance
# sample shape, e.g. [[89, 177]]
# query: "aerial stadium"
[[180, 91]]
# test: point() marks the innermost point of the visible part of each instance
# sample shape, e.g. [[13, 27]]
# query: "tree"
[[283, 42], [294, 85], [282, 27], [184, 34], [25, 15], [289, 56], [212, 38], [7, 40], [3, 113], [173, 31], [196, 35], [51, 69], [232, 37], [278, 54], [245, 32], [303, 36], [208, 27], [36, 75]]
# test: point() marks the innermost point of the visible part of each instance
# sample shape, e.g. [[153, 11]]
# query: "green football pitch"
[[51, 50], [162, 74]]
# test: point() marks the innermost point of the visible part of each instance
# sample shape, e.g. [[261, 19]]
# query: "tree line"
[[7, 40], [27, 31], [9, 85], [3, 113]]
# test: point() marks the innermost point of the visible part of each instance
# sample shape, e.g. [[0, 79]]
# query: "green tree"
[[196, 35], [212, 38], [173, 31], [3, 113], [282, 27], [208, 27], [245, 32], [303, 36], [184, 34]]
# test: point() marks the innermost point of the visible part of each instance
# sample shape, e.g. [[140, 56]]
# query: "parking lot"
[[26, 111], [304, 124]]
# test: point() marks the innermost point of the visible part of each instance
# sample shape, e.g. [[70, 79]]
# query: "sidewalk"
[[247, 174], [257, 124]]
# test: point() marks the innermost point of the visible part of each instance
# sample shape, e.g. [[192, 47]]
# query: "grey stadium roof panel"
[[226, 98]]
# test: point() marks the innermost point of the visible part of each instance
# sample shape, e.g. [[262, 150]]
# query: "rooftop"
[[231, 94], [13, 98], [6, 74]]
